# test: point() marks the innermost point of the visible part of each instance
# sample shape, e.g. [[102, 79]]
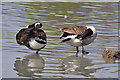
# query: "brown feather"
[[19, 34], [74, 30]]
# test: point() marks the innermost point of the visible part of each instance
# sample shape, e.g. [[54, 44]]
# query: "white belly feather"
[[78, 42], [73, 41], [35, 45]]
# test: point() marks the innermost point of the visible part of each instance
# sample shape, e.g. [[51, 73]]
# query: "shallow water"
[[58, 60]]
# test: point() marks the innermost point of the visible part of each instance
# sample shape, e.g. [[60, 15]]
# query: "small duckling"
[[110, 56]]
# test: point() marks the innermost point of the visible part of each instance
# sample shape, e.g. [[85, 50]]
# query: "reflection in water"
[[77, 66], [29, 65]]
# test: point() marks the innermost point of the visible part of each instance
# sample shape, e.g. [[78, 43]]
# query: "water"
[[58, 60]]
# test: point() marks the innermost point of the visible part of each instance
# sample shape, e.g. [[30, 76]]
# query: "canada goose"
[[78, 36], [32, 37]]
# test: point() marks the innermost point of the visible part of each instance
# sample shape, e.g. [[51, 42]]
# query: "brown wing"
[[74, 30], [19, 34], [23, 35], [40, 33]]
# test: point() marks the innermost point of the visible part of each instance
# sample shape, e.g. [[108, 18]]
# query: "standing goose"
[[78, 36], [32, 37]]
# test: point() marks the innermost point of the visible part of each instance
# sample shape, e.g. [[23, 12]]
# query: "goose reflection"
[[78, 66], [29, 65]]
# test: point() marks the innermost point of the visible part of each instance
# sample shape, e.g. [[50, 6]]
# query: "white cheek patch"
[[92, 28], [37, 24]]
